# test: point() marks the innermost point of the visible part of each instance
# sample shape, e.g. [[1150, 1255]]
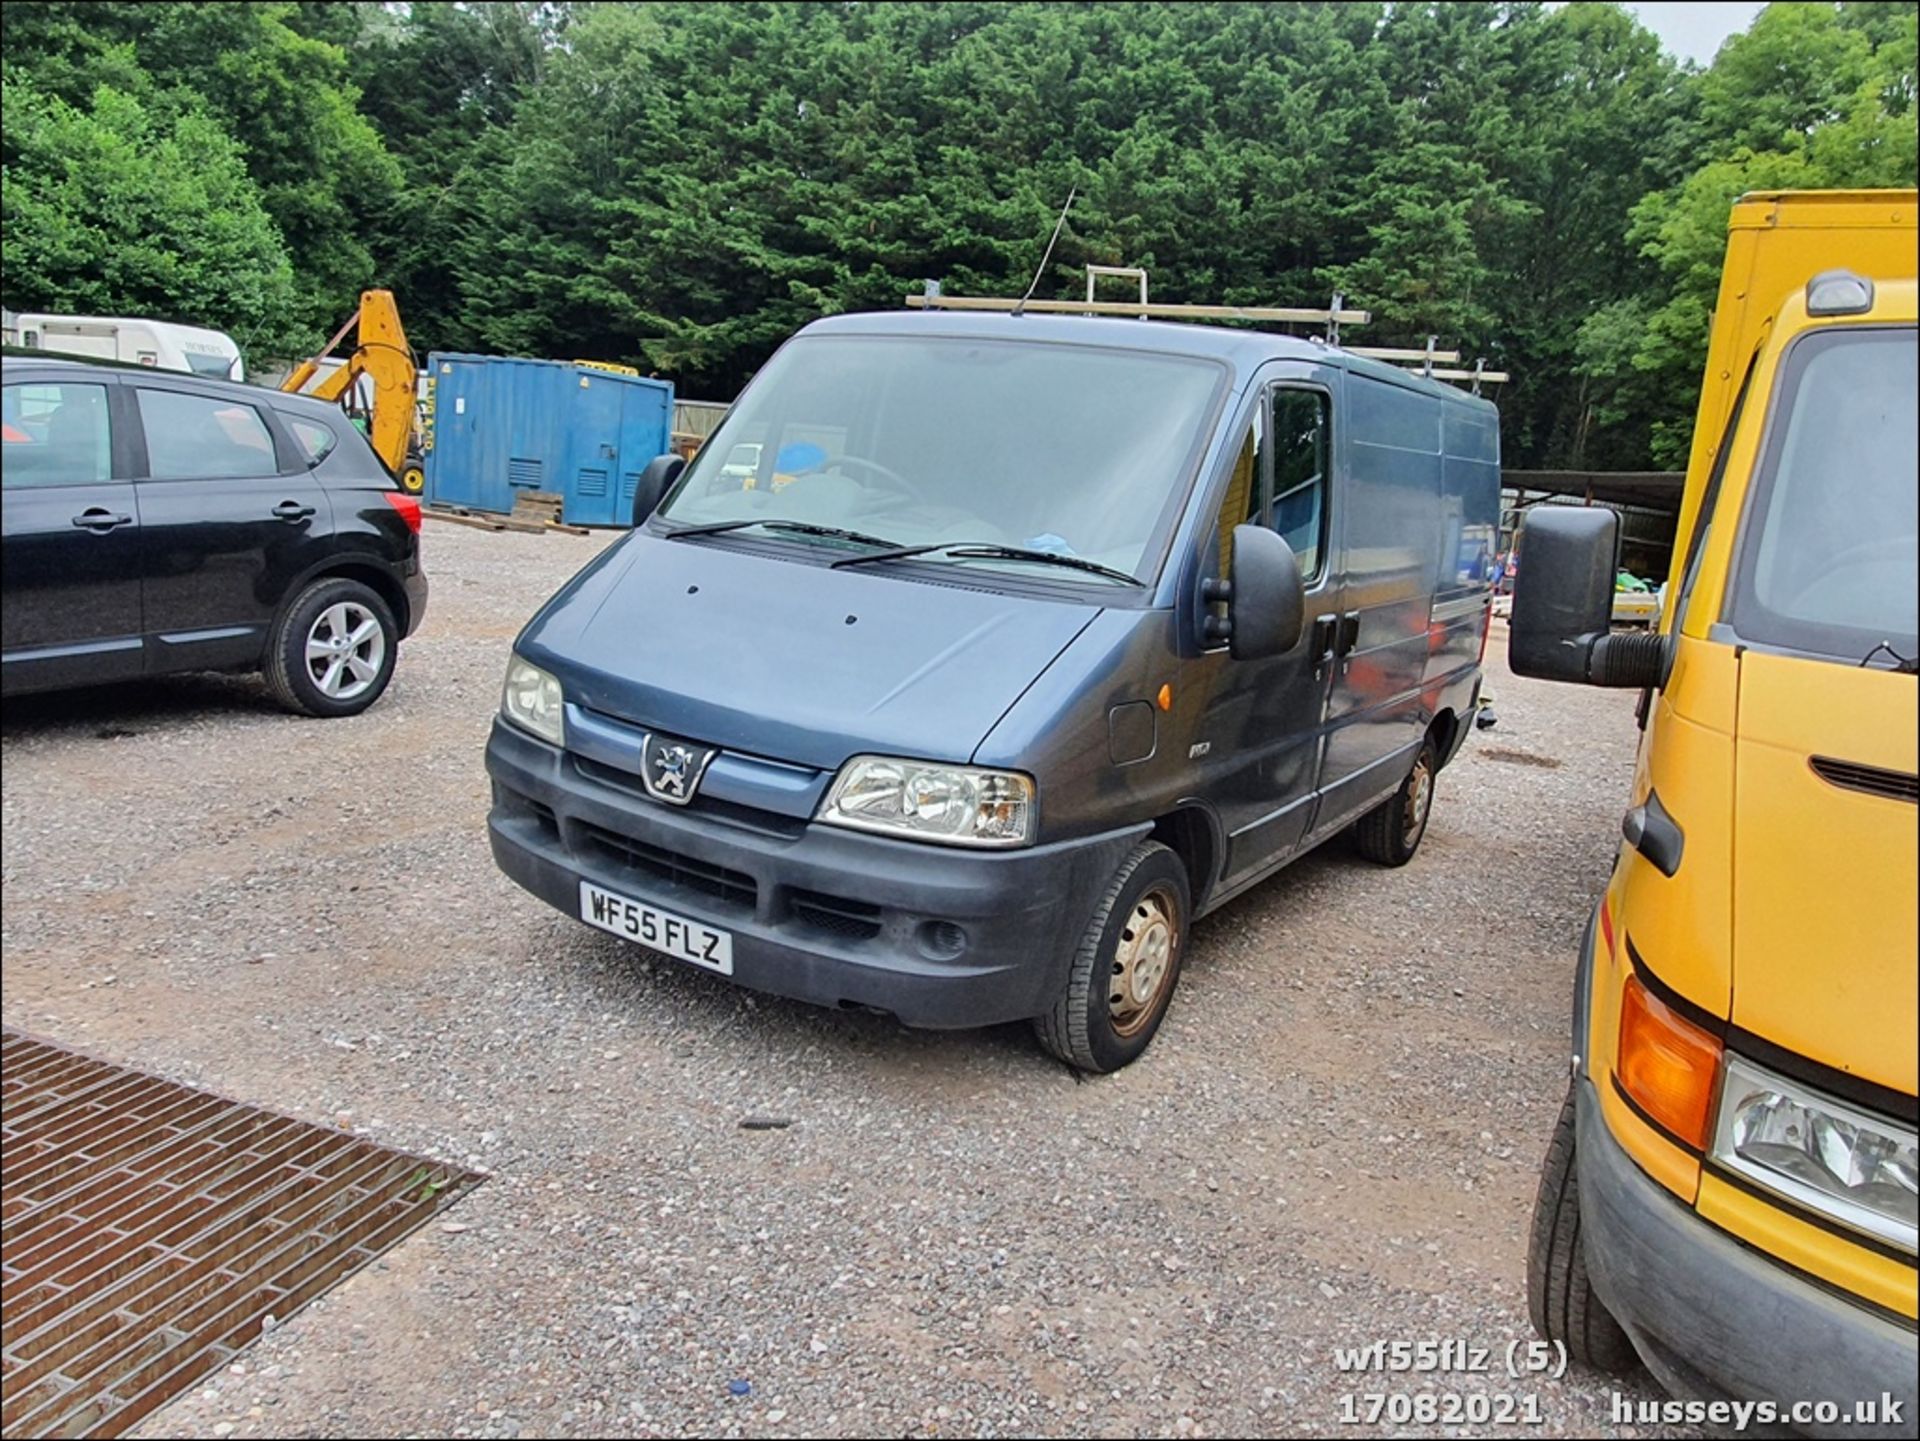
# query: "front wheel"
[[1390, 833], [1126, 967], [1560, 1297], [413, 476]]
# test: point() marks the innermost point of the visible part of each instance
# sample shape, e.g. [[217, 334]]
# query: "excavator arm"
[[380, 354]]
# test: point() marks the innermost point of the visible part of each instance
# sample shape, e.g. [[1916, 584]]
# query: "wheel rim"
[[1419, 799], [346, 646], [1143, 961], [413, 480]]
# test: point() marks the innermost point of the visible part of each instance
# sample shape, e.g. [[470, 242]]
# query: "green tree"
[[114, 209], [1812, 96], [284, 99]]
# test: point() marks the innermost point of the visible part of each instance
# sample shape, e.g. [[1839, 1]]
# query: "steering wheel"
[[895, 480], [1898, 550]]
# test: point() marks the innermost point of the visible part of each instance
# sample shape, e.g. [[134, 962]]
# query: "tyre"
[[332, 650], [1390, 833], [1126, 966], [413, 477], [1560, 1298]]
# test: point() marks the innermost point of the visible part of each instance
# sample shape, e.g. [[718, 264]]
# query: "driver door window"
[[1300, 455]]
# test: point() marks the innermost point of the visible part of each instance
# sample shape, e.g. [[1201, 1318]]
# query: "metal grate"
[[732, 888], [592, 481], [149, 1229], [843, 916], [522, 470]]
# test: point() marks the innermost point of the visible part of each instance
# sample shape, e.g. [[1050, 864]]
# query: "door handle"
[[100, 520], [292, 510], [1325, 630], [1349, 632]]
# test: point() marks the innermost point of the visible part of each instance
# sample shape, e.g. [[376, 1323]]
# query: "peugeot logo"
[[671, 769]]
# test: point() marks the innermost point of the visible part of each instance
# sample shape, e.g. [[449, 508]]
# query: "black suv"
[[158, 522]]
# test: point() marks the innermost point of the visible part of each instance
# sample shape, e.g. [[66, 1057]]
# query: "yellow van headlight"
[[955, 805], [1847, 1164]]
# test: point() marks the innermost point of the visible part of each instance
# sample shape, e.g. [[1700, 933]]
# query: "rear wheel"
[[1390, 833], [1560, 1297], [413, 476], [1126, 967], [333, 649]]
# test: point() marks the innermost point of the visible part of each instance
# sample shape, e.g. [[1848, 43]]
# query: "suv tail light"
[[408, 507]]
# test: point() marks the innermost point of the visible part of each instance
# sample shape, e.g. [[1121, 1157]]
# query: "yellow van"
[[1730, 1191]]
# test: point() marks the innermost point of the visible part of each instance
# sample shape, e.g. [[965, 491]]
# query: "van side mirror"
[[1563, 604], [661, 472], [1266, 599]]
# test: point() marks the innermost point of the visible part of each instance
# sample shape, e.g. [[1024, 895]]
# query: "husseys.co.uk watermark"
[[1883, 1410]]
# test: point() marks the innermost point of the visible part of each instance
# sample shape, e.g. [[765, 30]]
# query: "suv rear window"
[[316, 441], [202, 437]]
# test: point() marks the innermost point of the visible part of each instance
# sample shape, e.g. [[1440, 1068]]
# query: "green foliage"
[[284, 101], [115, 209], [682, 185], [1811, 97]]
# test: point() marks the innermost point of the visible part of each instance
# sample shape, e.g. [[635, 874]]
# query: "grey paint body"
[[789, 667]]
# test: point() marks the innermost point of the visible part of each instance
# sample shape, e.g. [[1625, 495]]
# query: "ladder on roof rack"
[[1427, 361]]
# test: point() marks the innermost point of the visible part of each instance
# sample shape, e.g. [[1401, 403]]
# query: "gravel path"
[[1333, 1141]]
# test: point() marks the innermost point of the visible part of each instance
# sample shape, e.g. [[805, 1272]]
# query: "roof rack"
[[1425, 360]]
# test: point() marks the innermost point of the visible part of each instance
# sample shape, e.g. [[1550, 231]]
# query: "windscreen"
[[1830, 559], [915, 441]]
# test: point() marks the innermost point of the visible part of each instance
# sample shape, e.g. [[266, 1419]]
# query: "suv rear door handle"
[[1349, 635], [100, 520], [292, 510]]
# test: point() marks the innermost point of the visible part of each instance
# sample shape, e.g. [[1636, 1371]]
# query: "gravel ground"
[[1334, 1140]]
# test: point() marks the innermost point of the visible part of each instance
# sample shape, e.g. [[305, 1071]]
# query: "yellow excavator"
[[382, 356]]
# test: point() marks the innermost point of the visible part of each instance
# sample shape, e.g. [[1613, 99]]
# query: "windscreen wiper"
[[989, 550], [803, 527], [1902, 664]]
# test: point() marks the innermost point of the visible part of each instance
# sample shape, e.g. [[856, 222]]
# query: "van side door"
[[1270, 712], [1391, 527]]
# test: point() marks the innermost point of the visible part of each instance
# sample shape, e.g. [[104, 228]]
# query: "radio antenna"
[[1072, 191]]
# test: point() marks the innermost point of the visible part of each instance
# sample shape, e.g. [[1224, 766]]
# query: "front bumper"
[[1713, 1318], [938, 936]]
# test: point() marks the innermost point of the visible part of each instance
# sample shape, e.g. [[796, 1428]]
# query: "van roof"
[[1241, 349]]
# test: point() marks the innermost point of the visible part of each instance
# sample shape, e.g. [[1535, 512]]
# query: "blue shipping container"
[[502, 425]]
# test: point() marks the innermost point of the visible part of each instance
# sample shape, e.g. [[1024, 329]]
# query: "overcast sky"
[[1694, 31]]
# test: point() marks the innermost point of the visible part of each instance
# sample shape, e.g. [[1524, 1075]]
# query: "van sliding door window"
[[1300, 435]]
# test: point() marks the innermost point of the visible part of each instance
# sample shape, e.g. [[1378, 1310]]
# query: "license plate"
[[662, 930]]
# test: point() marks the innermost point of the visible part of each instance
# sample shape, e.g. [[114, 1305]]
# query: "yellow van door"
[[1825, 854]]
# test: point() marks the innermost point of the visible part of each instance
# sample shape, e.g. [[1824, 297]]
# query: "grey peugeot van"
[[1028, 640]]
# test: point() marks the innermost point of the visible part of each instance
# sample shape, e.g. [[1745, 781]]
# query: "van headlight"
[[955, 805], [531, 699], [1847, 1164]]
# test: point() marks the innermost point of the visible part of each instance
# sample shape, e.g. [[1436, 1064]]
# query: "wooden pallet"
[[520, 521], [544, 509], [467, 518]]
